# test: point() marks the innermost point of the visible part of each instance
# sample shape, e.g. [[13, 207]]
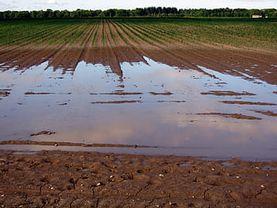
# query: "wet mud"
[[161, 93], [66, 179], [268, 113], [227, 93], [230, 115], [117, 102], [43, 133], [4, 92], [122, 93], [246, 103], [67, 144], [45, 93]]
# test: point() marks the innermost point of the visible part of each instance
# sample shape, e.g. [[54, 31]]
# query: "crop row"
[[51, 32]]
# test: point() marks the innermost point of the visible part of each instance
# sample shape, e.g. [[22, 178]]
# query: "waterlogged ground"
[[147, 87], [165, 109]]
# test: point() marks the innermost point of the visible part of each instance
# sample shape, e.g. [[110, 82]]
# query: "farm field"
[[191, 74], [87, 106], [184, 44]]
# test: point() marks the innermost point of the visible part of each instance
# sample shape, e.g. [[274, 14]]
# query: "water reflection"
[[246, 64], [171, 110]]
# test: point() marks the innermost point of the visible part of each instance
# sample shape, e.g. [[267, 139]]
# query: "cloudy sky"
[[126, 4]]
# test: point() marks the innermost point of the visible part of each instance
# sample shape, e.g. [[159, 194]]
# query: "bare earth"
[[67, 179]]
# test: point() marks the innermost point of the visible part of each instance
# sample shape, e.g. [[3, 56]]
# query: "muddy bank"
[[161, 93], [45, 93], [230, 115], [227, 93], [66, 179], [50, 143], [121, 93], [5, 92], [267, 113], [117, 102], [246, 103]]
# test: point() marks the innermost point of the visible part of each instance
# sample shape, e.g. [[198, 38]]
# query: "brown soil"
[[227, 93], [246, 103], [43, 133], [122, 93], [267, 113], [171, 101], [51, 143], [46, 93], [161, 93], [5, 92], [117, 102], [231, 115], [67, 179], [39, 93]]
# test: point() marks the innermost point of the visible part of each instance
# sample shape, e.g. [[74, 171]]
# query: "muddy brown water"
[[196, 112]]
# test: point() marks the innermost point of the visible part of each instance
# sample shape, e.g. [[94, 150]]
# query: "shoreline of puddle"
[[152, 104]]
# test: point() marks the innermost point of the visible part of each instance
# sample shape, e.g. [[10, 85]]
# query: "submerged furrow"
[[84, 45], [34, 56], [198, 55], [31, 41], [230, 59], [160, 51], [111, 42], [30, 37], [66, 57], [27, 46], [131, 53], [112, 59]]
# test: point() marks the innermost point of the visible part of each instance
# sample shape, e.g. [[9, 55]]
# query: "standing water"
[[185, 112]]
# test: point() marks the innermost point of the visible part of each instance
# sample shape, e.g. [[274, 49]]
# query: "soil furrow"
[[25, 44], [130, 53], [36, 56], [112, 56], [158, 52], [22, 50]]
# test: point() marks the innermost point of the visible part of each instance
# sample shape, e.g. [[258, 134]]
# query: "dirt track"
[[112, 43], [64, 179]]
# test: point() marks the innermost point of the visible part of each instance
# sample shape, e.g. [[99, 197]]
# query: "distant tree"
[[122, 13], [109, 13], [138, 12]]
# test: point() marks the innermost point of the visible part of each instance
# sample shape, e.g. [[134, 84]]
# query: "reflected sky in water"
[[70, 105]]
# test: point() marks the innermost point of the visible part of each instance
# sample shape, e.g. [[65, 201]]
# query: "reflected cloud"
[[169, 125]]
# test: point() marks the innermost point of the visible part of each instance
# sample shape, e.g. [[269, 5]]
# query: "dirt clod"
[[43, 179]]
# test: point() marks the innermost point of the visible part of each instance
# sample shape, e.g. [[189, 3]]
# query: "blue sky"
[[126, 4]]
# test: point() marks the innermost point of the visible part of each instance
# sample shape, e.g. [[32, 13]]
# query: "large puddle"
[[186, 112]]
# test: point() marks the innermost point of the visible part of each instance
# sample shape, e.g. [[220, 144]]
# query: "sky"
[[129, 4]]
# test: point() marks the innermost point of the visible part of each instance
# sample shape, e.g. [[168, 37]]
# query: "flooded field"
[[187, 112], [116, 86], [138, 113]]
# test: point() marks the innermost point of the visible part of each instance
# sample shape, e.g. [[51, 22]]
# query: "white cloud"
[[52, 1], [100, 4]]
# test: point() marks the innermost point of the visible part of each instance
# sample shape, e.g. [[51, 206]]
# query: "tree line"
[[139, 12]]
